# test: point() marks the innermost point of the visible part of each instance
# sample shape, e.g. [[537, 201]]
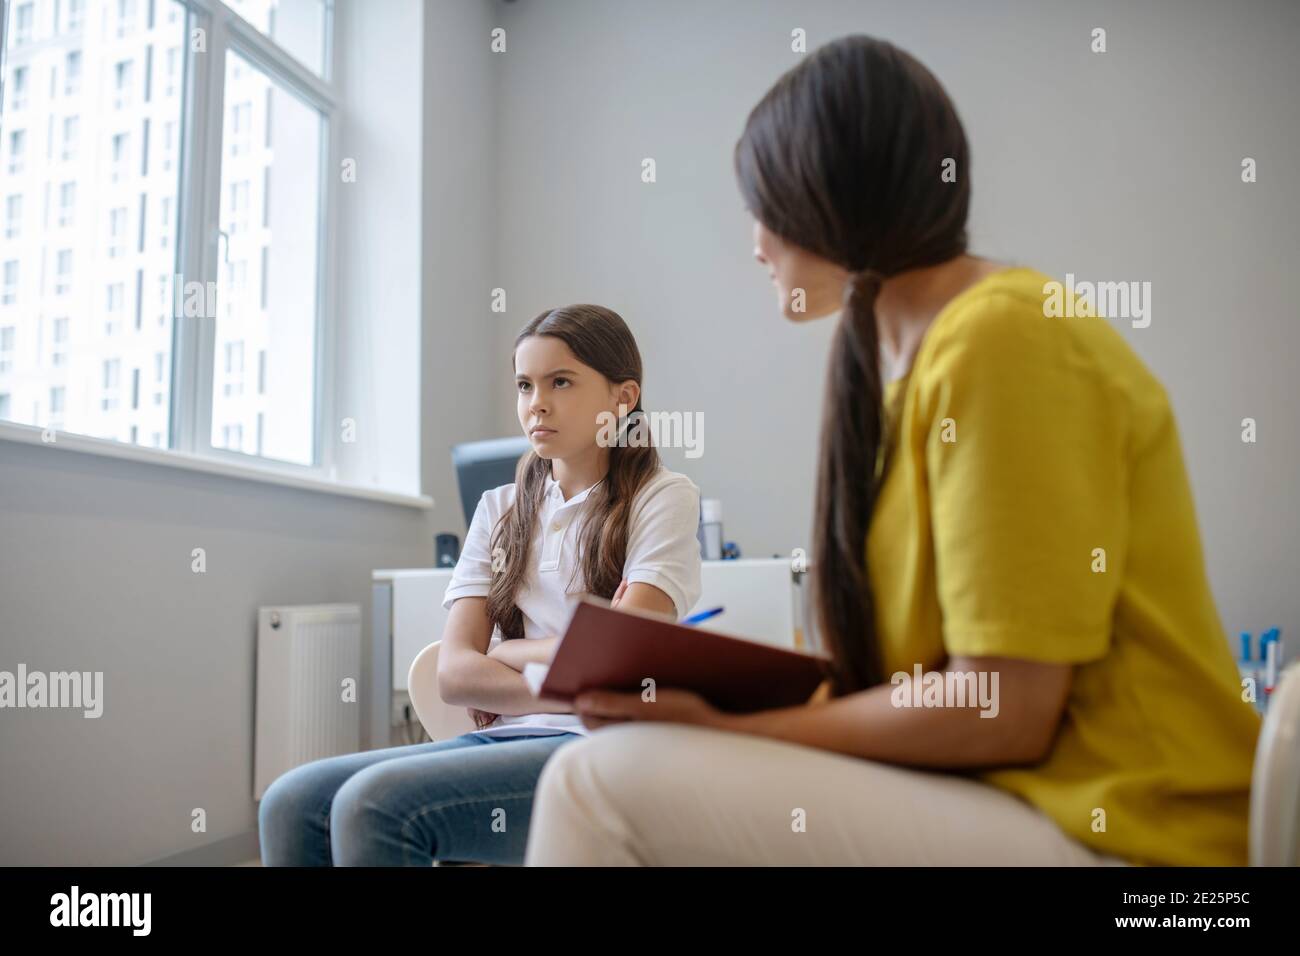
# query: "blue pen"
[[702, 616]]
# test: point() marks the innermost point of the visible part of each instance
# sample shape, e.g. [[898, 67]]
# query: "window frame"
[[199, 237], [197, 212]]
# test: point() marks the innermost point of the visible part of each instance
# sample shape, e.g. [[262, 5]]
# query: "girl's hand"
[[517, 653], [600, 707], [481, 718], [618, 595]]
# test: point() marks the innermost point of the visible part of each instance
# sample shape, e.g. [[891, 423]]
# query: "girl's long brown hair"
[[844, 157], [601, 339]]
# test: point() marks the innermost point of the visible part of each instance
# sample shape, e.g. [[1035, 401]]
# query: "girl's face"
[[560, 399], [807, 286]]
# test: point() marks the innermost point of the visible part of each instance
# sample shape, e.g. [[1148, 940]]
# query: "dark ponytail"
[[844, 157]]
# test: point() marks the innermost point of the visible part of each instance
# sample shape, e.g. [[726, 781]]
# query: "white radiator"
[[308, 687]]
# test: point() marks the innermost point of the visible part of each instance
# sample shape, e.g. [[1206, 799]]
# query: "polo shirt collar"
[[551, 489]]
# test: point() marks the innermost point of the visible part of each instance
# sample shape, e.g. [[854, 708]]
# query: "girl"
[[584, 514], [1012, 505]]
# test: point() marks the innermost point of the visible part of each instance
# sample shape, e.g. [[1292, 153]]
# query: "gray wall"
[[1118, 166], [95, 552]]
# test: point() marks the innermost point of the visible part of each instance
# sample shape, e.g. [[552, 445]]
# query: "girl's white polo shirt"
[[662, 550]]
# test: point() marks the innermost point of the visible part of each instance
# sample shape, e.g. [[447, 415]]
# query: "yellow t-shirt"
[[1028, 450]]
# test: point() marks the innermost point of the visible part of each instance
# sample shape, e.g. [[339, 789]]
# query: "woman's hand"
[[481, 718], [600, 707]]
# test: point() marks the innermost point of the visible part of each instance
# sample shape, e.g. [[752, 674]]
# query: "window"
[[58, 355], [99, 177], [23, 24], [108, 395], [7, 336], [167, 226], [173, 72], [17, 143], [9, 290], [299, 26], [76, 13], [19, 100], [13, 216], [234, 384], [67, 203], [71, 129], [121, 147], [293, 132], [125, 17], [241, 126], [113, 308], [63, 272], [238, 207], [72, 73], [117, 231], [123, 76]]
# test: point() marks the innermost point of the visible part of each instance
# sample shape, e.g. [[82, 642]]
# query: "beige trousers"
[[680, 795]]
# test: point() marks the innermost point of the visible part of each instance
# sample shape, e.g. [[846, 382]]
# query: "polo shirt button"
[[556, 526]]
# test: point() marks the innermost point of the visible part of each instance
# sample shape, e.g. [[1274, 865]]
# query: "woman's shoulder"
[[1020, 318]]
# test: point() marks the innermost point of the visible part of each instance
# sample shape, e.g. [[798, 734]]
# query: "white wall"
[[1117, 166]]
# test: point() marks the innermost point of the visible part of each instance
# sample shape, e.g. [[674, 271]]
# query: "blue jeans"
[[466, 799]]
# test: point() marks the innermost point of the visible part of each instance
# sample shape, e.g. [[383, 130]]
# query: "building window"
[[67, 203], [19, 98], [71, 128], [113, 307], [72, 73], [108, 398], [23, 21], [8, 334], [169, 146], [17, 144], [121, 147], [58, 354], [125, 17], [13, 216], [117, 231], [9, 290], [63, 272], [76, 14], [173, 72], [123, 77], [234, 384], [165, 233]]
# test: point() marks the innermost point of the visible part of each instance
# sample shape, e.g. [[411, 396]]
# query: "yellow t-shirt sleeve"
[[1026, 472]]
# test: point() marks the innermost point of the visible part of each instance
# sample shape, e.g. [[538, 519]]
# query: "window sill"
[[30, 434]]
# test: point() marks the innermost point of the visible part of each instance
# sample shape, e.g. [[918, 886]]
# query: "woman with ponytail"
[[592, 511], [1028, 666]]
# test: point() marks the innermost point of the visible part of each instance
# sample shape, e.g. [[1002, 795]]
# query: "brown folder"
[[608, 649]]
